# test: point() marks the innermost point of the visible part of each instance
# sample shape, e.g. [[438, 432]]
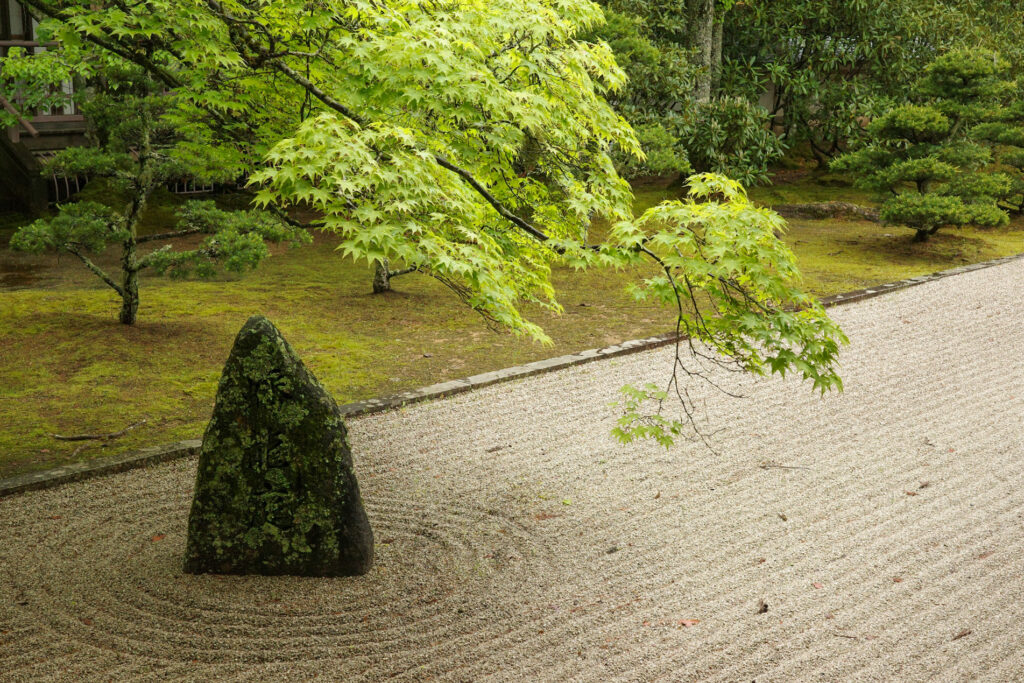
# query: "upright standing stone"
[[275, 492]]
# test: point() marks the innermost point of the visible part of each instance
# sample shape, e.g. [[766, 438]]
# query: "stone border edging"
[[157, 454], [45, 479]]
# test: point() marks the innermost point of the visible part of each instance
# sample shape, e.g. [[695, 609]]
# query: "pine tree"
[[1005, 133], [922, 156], [141, 139]]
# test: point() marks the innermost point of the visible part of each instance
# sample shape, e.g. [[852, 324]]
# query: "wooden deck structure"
[[25, 146]]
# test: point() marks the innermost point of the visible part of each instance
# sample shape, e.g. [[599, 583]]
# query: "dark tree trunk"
[[716, 56], [922, 235], [381, 277], [819, 156], [702, 20], [129, 296], [144, 184]]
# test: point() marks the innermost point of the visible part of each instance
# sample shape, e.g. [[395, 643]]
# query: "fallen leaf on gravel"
[[762, 560], [689, 622], [542, 516], [817, 584], [965, 632], [88, 622], [55, 517], [985, 555], [897, 579], [910, 493], [158, 537]]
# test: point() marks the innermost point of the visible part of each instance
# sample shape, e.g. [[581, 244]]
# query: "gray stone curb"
[[157, 454], [45, 479]]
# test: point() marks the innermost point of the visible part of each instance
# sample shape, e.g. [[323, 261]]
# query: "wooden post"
[[21, 119]]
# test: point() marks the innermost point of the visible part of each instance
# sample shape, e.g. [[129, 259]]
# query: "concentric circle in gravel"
[[516, 540]]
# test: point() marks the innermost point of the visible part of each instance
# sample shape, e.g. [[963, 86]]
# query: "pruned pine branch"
[[96, 270], [169, 235]]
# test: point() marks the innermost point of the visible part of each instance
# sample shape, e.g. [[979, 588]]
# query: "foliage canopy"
[[471, 140], [831, 63], [922, 156], [139, 140]]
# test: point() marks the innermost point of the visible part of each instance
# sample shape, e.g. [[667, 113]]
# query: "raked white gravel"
[[517, 541]]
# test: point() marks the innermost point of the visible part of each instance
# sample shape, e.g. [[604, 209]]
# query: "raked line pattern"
[[517, 541]]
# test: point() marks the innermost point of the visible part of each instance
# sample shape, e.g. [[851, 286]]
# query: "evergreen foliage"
[[921, 155], [830, 64], [471, 140], [653, 42], [1004, 133], [141, 139]]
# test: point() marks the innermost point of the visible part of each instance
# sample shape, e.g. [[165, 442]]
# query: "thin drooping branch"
[[674, 386], [502, 210]]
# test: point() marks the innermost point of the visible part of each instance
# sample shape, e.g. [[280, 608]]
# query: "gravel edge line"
[[49, 478]]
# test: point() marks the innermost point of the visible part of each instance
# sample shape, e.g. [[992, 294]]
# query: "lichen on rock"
[[275, 492]]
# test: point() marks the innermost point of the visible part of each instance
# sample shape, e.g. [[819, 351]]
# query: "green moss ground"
[[802, 187], [67, 367]]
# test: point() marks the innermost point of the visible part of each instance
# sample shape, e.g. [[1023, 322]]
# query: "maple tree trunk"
[[381, 277]]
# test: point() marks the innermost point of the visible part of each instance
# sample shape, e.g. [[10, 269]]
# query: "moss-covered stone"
[[275, 492]]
